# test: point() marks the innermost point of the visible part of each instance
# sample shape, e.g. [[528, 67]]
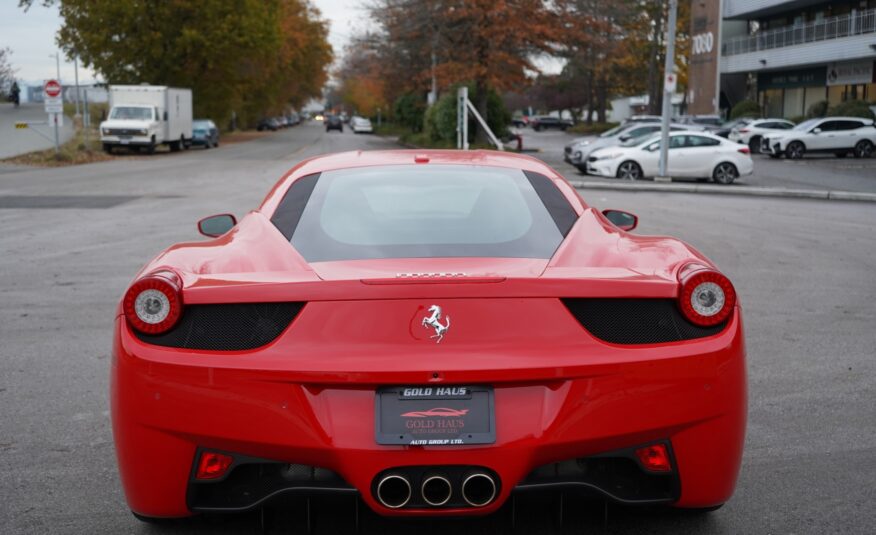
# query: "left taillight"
[[706, 297], [153, 304]]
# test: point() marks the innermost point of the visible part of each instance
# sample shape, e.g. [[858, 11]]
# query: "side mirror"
[[216, 225], [816, 130], [622, 220]]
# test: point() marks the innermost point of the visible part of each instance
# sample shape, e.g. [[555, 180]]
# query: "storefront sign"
[[816, 76], [858, 72]]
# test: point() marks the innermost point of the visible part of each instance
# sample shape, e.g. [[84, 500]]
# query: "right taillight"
[[706, 297], [153, 304]]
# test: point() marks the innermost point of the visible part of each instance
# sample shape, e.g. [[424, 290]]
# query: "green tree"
[[249, 56]]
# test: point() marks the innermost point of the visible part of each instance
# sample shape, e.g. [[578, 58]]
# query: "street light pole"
[[58, 72], [667, 94]]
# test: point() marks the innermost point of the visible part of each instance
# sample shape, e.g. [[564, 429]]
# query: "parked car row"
[[281, 121], [577, 152]]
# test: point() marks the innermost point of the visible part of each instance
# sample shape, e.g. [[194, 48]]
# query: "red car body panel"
[[308, 396]]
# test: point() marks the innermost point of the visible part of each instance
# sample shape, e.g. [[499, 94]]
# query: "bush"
[[853, 108], [797, 119], [745, 108], [819, 109], [409, 110], [440, 119]]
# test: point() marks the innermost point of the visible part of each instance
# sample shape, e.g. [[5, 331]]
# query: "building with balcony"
[[788, 55]]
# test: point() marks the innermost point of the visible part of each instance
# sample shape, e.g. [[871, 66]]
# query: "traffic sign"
[[52, 88], [670, 82]]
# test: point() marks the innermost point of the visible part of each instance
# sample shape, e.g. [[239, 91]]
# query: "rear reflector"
[[213, 465], [654, 458]]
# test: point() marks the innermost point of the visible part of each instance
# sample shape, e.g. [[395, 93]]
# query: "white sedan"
[[691, 154], [752, 133], [361, 125]]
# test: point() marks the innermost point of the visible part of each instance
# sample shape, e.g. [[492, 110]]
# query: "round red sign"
[[52, 88]]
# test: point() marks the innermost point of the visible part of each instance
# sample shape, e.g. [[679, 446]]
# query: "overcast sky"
[[31, 36]]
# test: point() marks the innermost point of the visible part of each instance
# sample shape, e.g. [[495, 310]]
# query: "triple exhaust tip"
[[394, 490]]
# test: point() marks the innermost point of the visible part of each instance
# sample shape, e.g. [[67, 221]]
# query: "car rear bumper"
[[167, 404]]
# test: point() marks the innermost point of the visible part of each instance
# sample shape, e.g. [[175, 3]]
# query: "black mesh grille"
[[227, 327], [636, 321]]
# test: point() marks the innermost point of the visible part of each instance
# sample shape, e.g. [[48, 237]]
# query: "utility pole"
[[76, 71], [668, 90], [57, 119]]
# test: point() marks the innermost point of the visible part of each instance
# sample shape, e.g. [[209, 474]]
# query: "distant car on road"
[[691, 154], [361, 125], [544, 122], [520, 121], [839, 135], [268, 123], [205, 133], [333, 122], [752, 132], [577, 152]]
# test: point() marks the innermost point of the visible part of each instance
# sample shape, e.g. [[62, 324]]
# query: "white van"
[[145, 116]]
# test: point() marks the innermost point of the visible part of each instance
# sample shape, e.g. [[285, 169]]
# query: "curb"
[[732, 190]]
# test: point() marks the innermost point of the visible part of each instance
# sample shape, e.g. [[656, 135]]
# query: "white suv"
[[752, 133], [839, 135]]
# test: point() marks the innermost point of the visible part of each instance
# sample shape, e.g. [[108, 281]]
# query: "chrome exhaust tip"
[[478, 489], [436, 490], [394, 491]]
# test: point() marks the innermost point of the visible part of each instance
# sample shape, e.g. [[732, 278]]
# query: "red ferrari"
[[433, 332]]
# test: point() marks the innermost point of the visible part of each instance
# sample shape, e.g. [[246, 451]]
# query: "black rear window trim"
[[288, 213], [558, 206]]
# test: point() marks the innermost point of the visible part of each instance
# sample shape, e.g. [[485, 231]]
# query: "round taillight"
[[706, 297], [154, 304]]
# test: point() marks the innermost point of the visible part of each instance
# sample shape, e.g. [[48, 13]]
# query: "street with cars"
[[803, 270]]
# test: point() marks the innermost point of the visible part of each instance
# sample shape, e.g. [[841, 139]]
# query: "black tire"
[[864, 149], [795, 150], [582, 168], [725, 173], [537, 129], [629, 170], [840, 154], [775, 156], [754, 145], [207, 145], [107, 148]]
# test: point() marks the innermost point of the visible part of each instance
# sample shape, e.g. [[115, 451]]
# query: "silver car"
[[577, 152]]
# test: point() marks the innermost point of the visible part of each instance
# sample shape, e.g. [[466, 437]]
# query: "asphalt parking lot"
[[813, 172], [73, 238]]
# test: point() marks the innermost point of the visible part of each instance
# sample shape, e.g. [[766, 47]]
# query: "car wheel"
[[725, 173], [795, 150], [754, 145], [107, 148], [864, 149], [629, 170], [775, 156]]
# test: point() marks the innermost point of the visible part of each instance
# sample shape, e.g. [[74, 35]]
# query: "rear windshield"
[[425, 211]]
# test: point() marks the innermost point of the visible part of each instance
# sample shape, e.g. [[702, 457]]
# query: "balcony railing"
[[856, 23]]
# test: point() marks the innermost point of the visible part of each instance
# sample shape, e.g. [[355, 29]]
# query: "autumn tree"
[[250, 56], [491, 43]]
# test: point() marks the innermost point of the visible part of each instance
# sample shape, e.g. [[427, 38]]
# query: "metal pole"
[[667, 96], [86, 123], [57, 135], [76, 71]]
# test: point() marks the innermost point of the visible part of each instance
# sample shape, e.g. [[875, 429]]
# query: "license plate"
[[435, 415], [124, 141]]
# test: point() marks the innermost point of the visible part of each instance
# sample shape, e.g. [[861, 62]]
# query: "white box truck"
[[145, 116]]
